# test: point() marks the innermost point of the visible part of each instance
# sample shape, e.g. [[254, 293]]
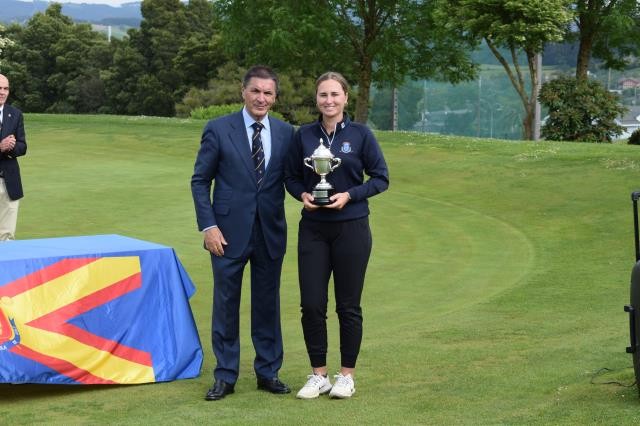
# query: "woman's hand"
[[307, 201], [339, 200]]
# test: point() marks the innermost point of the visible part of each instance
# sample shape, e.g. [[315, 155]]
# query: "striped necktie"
[[257, 152]]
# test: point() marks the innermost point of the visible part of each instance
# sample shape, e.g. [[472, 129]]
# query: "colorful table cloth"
[[103, 309]]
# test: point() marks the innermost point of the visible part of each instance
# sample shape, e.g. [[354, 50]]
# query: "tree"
[[634, 139], [198, 59], [372, 41], [606, 29], [33, 49], [80, 54], [295, 101], [122, 79], [55, 64], [175, 49], [4, 42], [223, 89], [163, 31], [580, 110], [518, 26]]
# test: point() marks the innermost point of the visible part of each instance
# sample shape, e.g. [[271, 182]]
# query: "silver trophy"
[[323, 162]]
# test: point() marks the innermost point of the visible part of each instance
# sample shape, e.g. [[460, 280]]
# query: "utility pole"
[[424, 108], [478, 106], [538, 110], [394, 106]]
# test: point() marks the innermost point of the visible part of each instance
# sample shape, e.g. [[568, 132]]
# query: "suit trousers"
[[8, 214], [266, 332], [341, 248]]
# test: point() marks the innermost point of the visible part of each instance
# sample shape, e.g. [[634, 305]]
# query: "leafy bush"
[[580, 111], [296, 101], [224, 89], [215, 111], [634, 139]]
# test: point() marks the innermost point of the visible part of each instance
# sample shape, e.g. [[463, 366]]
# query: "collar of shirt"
[[265, 134]]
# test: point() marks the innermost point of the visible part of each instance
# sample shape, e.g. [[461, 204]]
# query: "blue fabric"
[[154, 318]]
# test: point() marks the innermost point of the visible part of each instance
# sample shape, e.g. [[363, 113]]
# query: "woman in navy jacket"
[[334, 238]]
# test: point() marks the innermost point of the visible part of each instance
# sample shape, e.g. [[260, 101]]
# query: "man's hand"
[[214, 241], [8, 143]]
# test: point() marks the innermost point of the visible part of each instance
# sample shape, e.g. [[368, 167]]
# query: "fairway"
[[494, 293]]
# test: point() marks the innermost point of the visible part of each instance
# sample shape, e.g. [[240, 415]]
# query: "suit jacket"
[[225, 158], [13, 124]]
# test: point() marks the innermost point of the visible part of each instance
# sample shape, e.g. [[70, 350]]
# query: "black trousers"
[[341, 248]]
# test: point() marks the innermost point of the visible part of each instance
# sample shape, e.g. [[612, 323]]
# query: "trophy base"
[[321, 197]]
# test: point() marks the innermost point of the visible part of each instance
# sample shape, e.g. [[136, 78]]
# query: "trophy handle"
[[338, 162], [306, 162]]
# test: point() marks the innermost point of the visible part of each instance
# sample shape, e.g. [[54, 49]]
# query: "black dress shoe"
[[273, 385], [219, 390]]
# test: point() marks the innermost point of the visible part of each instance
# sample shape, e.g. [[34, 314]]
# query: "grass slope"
[[494, 293]]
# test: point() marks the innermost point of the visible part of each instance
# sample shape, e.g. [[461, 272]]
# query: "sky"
[[107, 2]]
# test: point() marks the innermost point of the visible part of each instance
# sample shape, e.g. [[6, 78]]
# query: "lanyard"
[[330, 140]]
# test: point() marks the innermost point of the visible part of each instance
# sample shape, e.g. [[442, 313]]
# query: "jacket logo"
[[346, 147]]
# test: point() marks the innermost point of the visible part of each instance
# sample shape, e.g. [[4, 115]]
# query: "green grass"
[[494, 293]]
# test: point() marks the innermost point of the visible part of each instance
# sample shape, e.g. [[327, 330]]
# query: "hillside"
[[127, 15]]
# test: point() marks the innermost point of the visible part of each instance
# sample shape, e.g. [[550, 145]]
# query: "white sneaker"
[[316, 385], [343, 387]]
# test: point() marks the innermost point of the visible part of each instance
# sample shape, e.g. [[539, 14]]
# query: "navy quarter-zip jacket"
[[360, 155]]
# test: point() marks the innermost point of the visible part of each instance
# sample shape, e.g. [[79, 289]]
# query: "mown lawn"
[[494, 293]]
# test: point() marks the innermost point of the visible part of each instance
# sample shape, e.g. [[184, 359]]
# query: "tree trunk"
[[517, 80], [584, 55], [364, 88], [589, 20], [527, 124], [529, 121]]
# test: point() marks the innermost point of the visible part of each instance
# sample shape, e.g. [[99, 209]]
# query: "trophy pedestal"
[[321, 197]]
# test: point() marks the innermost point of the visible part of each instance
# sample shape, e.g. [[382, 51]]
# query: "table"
[[103, 309]]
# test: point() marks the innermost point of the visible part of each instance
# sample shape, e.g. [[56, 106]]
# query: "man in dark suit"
[[13, 144], [242, 154]]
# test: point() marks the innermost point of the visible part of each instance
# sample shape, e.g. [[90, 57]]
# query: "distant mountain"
[[21, 11]]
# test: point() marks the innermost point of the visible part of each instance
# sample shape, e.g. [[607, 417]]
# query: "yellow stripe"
[[97, 362], [71, 287]]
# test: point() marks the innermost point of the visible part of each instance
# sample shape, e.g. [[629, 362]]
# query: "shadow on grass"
[[29, 391]]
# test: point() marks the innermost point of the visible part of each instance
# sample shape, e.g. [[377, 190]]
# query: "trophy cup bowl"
[[322, 162]]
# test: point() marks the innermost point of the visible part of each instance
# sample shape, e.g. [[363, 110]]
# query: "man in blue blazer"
[[244, 221], [13, 144]]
